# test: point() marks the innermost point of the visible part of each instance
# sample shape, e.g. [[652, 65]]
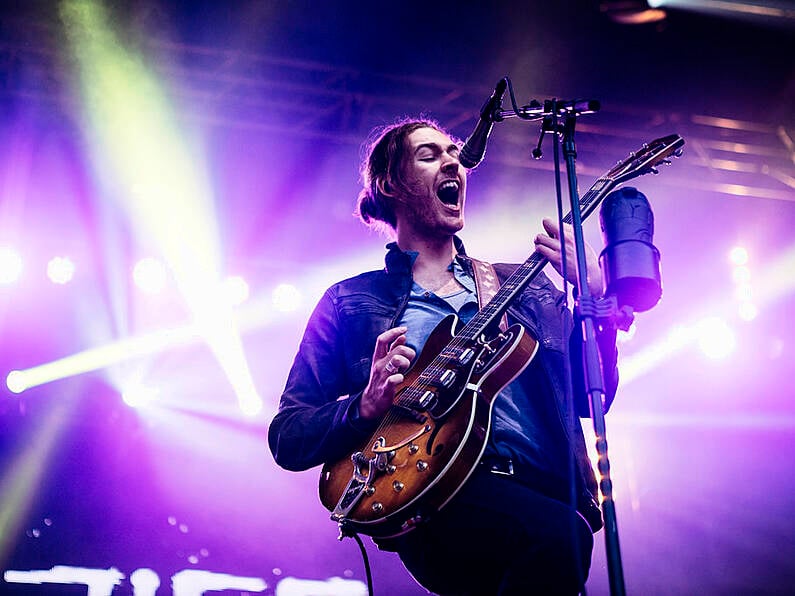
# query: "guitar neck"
[[528, 270]]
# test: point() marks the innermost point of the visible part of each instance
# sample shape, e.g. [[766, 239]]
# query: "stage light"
[[286, 298], [738, 256], [15, 381], [160, 177], [715, 338], [150, 275], [139, 395], [60, 270], [10, 265], [236, 289]]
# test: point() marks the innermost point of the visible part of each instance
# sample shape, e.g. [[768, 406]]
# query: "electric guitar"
[[435, 432]]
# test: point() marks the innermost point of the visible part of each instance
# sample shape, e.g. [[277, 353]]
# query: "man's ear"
[[384, 187]]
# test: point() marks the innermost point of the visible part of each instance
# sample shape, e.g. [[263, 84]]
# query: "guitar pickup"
[[427, 399], [466, 356], [447, 379]]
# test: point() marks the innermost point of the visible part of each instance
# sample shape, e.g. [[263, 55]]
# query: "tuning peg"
[[654, 170]]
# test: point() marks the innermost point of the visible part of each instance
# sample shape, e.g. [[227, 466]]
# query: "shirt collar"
[[400, 261]]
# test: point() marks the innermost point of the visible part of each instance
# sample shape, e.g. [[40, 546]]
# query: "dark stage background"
[[228, 134]]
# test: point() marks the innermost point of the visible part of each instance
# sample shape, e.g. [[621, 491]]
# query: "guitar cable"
[[345, 531], [366, 561]]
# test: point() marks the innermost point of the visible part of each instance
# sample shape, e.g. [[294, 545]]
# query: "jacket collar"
[[399, 261]]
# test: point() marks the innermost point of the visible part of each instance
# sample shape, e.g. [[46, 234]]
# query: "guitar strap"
[[486, 283]]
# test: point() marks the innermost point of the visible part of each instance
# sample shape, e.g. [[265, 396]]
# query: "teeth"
[[448, 192]]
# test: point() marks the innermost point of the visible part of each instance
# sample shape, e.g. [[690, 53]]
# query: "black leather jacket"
[[316, 420]]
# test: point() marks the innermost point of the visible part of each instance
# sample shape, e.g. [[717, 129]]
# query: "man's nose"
[[450, 162]]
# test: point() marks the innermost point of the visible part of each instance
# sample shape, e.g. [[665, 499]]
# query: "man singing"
[[522, 523]]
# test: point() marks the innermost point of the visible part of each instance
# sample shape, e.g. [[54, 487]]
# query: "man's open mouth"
[[448, 192]]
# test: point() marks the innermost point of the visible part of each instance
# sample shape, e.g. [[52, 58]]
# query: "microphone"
[[475, 146], [630, 262]]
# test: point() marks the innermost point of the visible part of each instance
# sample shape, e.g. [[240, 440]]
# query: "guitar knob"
[[378, 507], [390, 469], [397, 485], [413, 449], [422, 465], [370, 490]]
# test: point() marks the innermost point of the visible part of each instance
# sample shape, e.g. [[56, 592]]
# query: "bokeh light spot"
[[10, 266], [738, 255], [286, 298], [715, 338], [60, 270]]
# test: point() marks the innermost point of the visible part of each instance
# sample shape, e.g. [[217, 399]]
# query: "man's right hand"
[[391, 358]]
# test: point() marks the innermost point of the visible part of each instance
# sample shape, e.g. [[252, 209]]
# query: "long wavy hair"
[[384, 152]]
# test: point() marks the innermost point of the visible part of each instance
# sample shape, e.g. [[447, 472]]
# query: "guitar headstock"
[[647, 158]]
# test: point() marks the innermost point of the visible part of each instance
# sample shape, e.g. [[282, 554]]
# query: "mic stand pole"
[[594, 383]]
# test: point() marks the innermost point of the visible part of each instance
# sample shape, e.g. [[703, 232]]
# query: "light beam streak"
[[158, 180]]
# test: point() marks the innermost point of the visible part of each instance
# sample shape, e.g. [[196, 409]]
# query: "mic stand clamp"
[[606, 311]]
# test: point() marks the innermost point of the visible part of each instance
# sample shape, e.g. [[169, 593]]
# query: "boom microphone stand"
[[594, 383], [563, 134]]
